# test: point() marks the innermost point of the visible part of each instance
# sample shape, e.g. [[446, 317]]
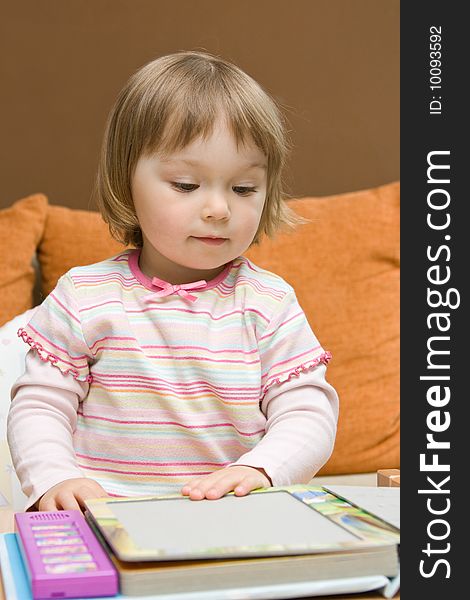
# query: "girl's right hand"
[[70, 494]]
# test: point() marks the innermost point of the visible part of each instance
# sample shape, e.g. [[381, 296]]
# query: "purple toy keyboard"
[[62, 556]]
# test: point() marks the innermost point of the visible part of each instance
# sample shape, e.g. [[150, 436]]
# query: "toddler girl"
[[177, 365]]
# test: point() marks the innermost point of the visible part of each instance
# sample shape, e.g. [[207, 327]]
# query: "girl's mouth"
[[212, 241]]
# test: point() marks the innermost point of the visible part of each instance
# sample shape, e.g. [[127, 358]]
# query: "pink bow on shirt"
[[180, 289]]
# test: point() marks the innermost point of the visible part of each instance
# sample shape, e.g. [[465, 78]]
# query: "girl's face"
[[200, 208]]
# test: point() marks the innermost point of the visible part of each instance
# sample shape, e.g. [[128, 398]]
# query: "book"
[[278, 537], [202, 576], [15, 584], [382, 502]]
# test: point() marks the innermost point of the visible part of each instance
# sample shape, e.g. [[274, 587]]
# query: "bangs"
[[189, 99], [186, 124]]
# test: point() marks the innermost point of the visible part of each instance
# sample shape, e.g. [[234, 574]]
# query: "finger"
[[67, 501], [199, 488], [86, 493], [222, 484], [215, 485], [246, 485], [47, 505], [100, 490], [93, 491], [189, 485], [193, 484]]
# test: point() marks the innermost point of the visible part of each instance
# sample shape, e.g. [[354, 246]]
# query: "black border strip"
[[434, 253]]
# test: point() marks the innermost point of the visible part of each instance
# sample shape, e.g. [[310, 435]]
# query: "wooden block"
[[388, 478]]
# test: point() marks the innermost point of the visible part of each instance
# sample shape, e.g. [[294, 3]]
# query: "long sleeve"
[[41, 422], [301, 414]]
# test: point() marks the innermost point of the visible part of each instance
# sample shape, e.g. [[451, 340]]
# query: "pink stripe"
[[96, 283], [162, 308], [228, 289], [170, 357], [65, 308], [173, 346], [245, 397], [193, 446], [250, 265], [103, 277], [167, 464], [249, 396], [173, 385], [205, 349], [122, 257], [118, 348], [111, 337], [257, 286], [121, 422], [144, 473], [268, 335], [85, 308]]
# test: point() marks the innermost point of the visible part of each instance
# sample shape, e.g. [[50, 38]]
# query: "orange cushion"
[[344, 266], [21, 228], [72, 238]]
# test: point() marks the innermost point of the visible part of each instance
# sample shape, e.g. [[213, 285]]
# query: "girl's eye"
[[184, 187], [243, 191], [190, 187]]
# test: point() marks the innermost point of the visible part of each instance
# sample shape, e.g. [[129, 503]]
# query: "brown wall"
[[334, 64]]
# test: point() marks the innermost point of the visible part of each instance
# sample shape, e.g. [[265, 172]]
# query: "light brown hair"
[[172, 101]]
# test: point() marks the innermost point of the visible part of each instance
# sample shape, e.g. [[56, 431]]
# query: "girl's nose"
[[215, 207]]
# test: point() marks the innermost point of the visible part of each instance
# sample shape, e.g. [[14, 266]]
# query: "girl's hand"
[[239, 479], [70, 494]]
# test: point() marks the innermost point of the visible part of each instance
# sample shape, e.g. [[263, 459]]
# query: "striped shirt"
[[175, 385]]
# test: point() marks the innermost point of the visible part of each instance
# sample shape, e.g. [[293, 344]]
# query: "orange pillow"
[[21, 228], [72, 238], [344, 267]]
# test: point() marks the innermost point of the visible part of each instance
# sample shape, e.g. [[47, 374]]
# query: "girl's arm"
[[301, 414], [41, 422], [300, 432]]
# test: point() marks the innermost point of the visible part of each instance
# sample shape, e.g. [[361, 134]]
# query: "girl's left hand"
[[239, 479]]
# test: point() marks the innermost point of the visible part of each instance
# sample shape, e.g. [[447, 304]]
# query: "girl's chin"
[[212, 269], [202, 265]]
